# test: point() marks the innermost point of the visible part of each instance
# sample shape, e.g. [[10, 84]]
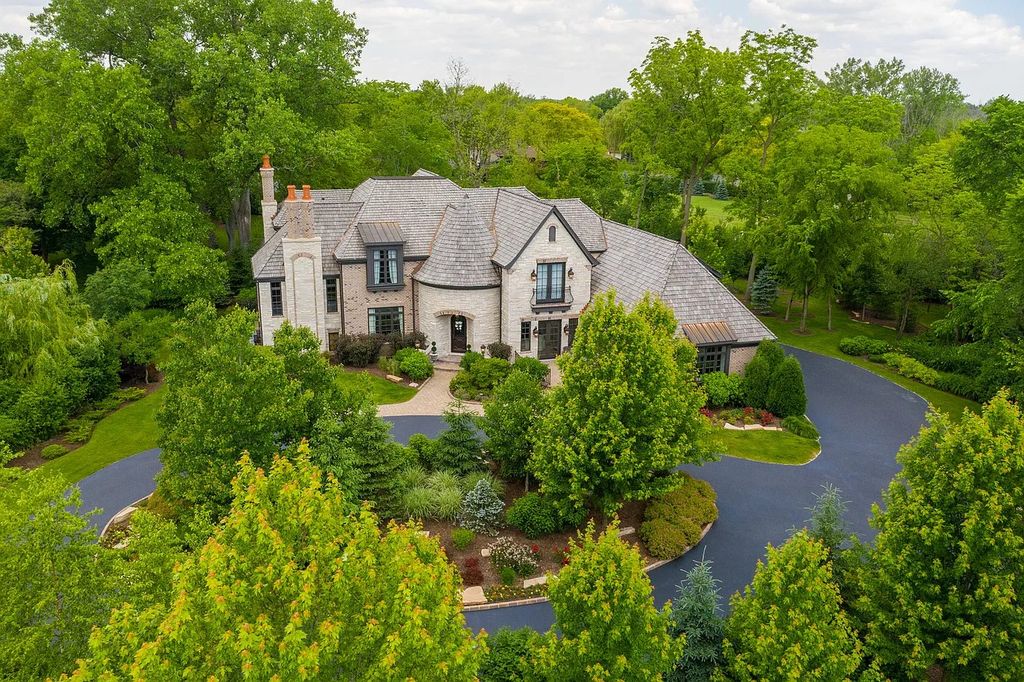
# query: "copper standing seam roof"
[[380, 233], [709, 333]]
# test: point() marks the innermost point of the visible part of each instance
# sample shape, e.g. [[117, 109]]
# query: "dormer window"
[[384, 267]]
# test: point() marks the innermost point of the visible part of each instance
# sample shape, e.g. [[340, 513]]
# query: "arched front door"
[[459, 334]]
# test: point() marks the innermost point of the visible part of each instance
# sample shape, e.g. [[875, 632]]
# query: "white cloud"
[[985, 51]]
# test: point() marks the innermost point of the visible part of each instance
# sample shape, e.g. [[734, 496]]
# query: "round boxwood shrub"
[[498, 349], [414, 364], [667, 539], [533, 515], [53, 451], [722, 389]]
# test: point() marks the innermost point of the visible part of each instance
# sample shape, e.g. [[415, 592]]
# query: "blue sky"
[[579, 47]]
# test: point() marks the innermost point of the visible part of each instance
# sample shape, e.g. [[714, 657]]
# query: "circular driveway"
[[863, 420]]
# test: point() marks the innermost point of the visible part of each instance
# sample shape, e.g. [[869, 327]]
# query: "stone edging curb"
[[118, 515], [538, 600]]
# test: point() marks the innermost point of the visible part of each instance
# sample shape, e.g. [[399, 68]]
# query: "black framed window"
[[525, 331], [386, 320], [573, 323], [332, 340], [276, 299], [550, 282], [552, 231], [331, 289], [384, 268], [712, 358]]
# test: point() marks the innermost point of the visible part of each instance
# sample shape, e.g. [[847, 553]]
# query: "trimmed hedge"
[[863, 345], [786, 394], [911, 368]]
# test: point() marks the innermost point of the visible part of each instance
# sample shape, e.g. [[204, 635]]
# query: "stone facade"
[[436, 306], [739, 356], [518, 284]]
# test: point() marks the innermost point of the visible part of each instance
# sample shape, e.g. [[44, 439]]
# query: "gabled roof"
[[638, 262], [517, 218], [461, 254]]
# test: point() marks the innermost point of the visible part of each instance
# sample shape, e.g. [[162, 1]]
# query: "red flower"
[[535, 549]]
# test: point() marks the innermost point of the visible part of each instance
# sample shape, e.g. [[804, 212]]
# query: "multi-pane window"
[[386, 320], [331, 288], [550, 282], [711, 358], [384, 270], [525, 330], [332, 340], [276, 299]]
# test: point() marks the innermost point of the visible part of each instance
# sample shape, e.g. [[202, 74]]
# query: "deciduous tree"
[[627, 410], [510, 417], [944, 581], [789, 621], [606, 624], [297, 583]]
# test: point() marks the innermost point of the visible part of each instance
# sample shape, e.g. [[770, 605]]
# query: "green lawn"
[[714, 207], [383, 391], [774, 447], [125, 432], [819, 339]]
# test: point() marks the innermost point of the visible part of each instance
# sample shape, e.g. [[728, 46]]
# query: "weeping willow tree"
[[42, 323]]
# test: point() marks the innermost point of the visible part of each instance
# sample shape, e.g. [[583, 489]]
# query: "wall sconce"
[[570, 273], [565, 330], [536, 330], [533, 276]]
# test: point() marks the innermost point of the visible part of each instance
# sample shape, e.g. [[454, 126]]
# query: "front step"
[[448, 363]]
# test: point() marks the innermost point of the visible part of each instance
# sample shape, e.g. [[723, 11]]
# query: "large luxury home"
[[468, 267]]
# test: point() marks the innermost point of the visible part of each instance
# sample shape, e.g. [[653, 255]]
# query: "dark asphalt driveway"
[[863, 419]]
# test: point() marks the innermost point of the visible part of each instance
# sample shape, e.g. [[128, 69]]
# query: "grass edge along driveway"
[[772, 447]]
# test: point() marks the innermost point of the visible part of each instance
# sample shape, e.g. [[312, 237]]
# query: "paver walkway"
[[431, 399]]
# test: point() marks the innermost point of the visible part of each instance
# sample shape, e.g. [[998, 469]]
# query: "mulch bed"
[[549, 547], [33, 457]]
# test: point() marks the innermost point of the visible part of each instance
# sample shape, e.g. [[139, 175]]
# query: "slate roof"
[[462, 250], [637, 262], [465, 235]]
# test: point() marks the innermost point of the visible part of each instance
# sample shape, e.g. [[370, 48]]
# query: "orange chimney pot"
[[266, 160], [291, 193], [306, 194]]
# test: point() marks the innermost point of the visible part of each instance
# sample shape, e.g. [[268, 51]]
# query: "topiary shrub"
[[500, 350], [533, 515], [508, 575], [462, 538], [722, 389], [481, 509], [758, 374], [414, 364], [863, 345], [674, 521], [53, 451], [786, 395], [800, 426]]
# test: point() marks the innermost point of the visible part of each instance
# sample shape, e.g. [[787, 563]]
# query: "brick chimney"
[[268, 205], [303, 264]]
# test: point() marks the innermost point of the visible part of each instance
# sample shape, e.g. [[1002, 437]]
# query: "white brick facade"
[[435, 307]]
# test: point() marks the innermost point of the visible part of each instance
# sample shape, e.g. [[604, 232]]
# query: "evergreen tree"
[[458, 447], [698, 188], [481, 509], [721, 191], [788, 623], [827, 524], [944, 584], [757, 376], [697, 617], [786, 394], [765, 291], [606, 625]]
